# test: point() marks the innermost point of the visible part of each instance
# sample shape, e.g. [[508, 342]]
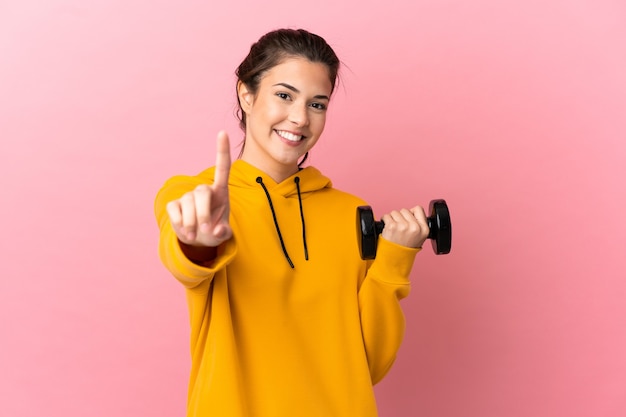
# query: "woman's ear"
[[245, 96]]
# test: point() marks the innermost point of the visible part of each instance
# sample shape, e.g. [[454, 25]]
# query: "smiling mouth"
[[289, 136]]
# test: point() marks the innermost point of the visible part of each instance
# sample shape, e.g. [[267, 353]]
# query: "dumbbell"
[[438, 223]]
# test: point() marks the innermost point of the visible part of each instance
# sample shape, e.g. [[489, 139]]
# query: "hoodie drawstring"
[[280, 236], [306, 251]]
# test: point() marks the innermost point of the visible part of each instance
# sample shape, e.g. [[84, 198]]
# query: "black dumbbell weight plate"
[[368, 236], [440, 227]]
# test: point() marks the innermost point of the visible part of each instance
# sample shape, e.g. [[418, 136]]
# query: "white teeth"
[[289, 136]]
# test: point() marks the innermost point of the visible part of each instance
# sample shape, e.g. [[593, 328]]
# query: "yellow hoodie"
[[272, 340]]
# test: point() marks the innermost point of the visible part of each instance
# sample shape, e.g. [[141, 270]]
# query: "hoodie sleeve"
[[184, 270], [382, 319]]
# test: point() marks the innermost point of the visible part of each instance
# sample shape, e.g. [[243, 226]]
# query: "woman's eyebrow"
[[295, 90]]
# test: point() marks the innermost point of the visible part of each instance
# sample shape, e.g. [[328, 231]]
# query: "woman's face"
[[286, 117]]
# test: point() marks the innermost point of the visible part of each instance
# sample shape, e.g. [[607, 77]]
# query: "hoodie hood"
[[300, 185], [244, 175]]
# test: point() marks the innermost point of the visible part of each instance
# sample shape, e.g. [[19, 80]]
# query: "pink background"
[[515, 112]]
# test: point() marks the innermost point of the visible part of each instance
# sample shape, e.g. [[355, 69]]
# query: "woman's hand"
[[200, 217], [406, 227]]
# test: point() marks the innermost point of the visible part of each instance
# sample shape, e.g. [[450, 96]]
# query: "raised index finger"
[[222, 161]]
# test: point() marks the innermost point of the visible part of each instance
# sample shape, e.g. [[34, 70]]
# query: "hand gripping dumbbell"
[[438, 223]]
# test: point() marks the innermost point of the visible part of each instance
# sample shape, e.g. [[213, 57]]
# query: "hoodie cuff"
[[393, 262], [225, 252], [187, 270]]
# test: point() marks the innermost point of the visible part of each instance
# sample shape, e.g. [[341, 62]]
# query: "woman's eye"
[[319, 106], [284, 96]]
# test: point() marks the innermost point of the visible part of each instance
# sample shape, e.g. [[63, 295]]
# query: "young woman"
[[286, 318]]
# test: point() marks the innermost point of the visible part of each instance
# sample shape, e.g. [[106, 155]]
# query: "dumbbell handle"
[[432, 232]]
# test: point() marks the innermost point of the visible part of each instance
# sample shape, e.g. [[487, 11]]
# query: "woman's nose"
[[299, 115]]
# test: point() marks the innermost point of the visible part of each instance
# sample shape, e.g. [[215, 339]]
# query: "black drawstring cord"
[[306, 250], [280, 236]]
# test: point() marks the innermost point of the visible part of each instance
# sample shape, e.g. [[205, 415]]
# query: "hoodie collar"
[[242, 174]]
